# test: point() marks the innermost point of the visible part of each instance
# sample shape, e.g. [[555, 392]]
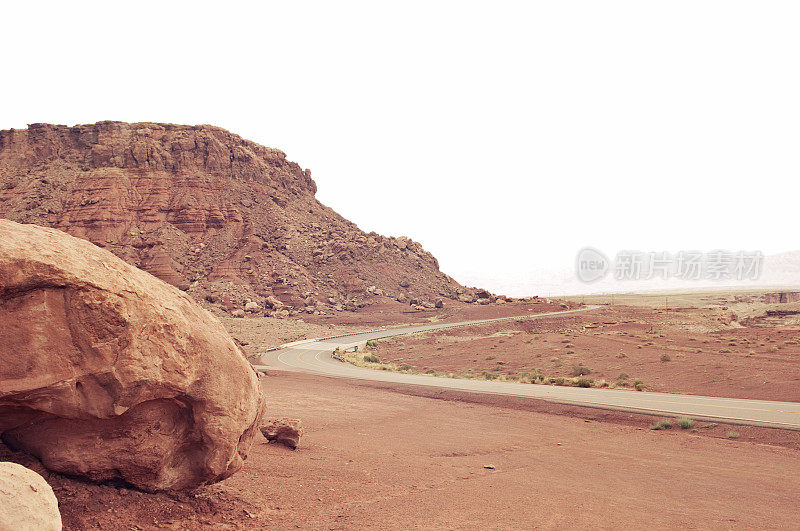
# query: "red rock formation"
[[283, 431], [109, 373], [207, 211]]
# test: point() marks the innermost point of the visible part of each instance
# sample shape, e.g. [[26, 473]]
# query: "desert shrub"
[[558, 380], [404, 367], [732, 435], [372, 343], [685, 423], [486, 375], [371, 358], [430, 371], [639, 385], [580, 370], [665, 357], [536, 376], [584, 382], [661, 425]]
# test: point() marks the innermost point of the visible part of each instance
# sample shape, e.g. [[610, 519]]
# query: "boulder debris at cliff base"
[[283, 431], [109, 373]]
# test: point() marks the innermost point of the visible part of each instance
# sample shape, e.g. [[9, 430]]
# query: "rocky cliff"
[[214, 214]]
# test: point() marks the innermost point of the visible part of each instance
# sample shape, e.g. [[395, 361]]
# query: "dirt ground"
[[375, 456], [687, 350], [393, 456], [254, 332], [453, 311]]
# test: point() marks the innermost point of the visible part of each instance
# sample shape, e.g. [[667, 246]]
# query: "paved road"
[[315, 357]]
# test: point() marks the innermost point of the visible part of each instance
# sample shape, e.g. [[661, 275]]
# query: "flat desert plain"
[[395, 456]]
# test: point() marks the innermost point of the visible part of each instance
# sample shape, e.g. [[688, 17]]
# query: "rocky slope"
[[221, 217]]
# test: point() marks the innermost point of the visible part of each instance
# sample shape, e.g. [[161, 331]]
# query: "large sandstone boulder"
[[109, 373], [27, 502]]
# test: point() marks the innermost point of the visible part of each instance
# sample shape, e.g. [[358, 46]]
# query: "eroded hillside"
[[224, 218]]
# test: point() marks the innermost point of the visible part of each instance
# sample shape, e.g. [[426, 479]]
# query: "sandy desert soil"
[[688, 350], [394, 456], [256, 332], [734, 298], [453, 311], [376, 457]]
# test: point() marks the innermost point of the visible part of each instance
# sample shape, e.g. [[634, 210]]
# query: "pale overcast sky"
[[503, 136]]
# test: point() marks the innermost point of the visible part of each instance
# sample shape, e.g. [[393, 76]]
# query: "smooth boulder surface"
[[27, 502], [109, 373]]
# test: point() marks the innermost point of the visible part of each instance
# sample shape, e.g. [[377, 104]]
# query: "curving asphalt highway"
[[314, 356]]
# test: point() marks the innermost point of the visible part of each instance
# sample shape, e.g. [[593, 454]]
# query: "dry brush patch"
[[368, 359], [687, 351]]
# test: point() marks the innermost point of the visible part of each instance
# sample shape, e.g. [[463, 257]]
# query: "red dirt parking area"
[[373, 457]]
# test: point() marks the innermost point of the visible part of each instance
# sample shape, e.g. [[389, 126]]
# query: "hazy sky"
[[503, 136]]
